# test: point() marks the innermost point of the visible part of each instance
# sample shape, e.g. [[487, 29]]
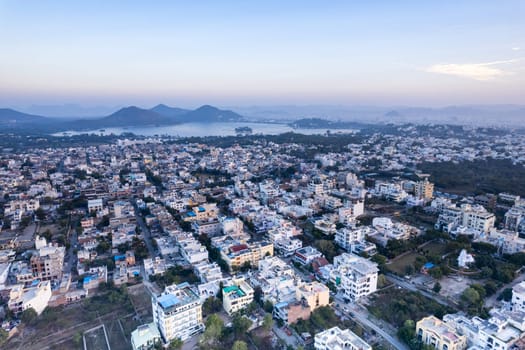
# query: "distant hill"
[[128, 116], [210, 114], [158, 115], [10, 117], [169, 111]]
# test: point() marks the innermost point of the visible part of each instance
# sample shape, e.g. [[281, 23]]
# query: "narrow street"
[[490, 301], [146, 234], [362, 317]]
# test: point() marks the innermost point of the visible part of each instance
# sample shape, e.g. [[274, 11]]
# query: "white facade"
[[193, 252], [354, 276], [518, 297], [95, 205], [36, 297], [338, 339], [236, 296], [177, 312]]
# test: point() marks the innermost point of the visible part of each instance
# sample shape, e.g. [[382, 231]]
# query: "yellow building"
[[316, 294], [424, 189], [432, 331], [238, 255], [236, 295]]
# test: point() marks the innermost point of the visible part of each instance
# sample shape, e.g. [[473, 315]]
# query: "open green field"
[[398, 265]]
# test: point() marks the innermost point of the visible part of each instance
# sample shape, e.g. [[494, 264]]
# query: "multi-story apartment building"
[[432, 331], [48, 262], [315, 294], [239, 254], [501, 331], [515, 217], [518, 297], [291, 312], [177, 312], [192, 251], [339, 339], [424, 189], [474, 217], [236, 295], [306, 255], [203, 212], [478, 218], [354, 276], [35, 297]]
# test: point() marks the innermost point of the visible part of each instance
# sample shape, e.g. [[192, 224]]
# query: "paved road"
[[489, 302], [72, 237], [363, 317], [146, 234], [290, 340]]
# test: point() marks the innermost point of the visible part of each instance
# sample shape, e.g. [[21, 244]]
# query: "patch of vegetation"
[[174, 275], [397, 306], [478, 176]]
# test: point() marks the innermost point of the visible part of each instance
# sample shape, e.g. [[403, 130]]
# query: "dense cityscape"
[[262, 175], [334, 241]]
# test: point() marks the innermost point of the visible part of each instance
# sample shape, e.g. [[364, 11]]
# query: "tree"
[[381, 281], [268, 306], [240, 345], [214, 329], [517, 259], [257, 294], [327, 248], [3, 336], [470, 296], [506, 294], [40, 214], [437, 287], [176, 344], [490, 288], [240, 325], [268, 322], [77, 338], [28, 315], [211, 305]]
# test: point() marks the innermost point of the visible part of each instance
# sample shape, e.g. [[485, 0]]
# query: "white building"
[[276, 279], [518, 297], [145, 337], [236, 295], [36, 297], [95, 205], [473, 217], [306, 255], [465, 259], [345, 237], [177, 312], [192, 251], [354, 276], [338, 339]]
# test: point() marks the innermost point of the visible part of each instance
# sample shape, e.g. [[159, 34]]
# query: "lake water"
[[205, 129]]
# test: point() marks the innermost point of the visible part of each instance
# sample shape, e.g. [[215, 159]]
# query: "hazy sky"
[[262, 52]]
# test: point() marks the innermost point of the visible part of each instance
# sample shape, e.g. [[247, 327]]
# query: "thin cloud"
[[477, 71], [516, 48]]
